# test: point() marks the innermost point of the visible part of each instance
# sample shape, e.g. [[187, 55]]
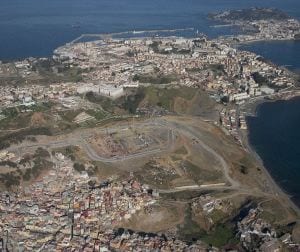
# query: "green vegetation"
[[22, 120], [176, 157], [40, 164], [243, 169], [193, 70], [25, 159], [128, 103], [42, 107], [132, 101], [185, 195], [245, 164], [106, 103], [283, 229], [130, 53], [20, 117], [27, 175], [199, 174], [73, 74], [251, 14], [189, 231], [181, 151], [79, 167], [105, 170], [19, 136], [259, 79], [155, 176], [267, 216], [217, 216], [92, 170], [63, 127], [217, 69], [69, 115], [53, 71], [263, 81], [221, 235], [10, 179], [10, 112], [68, 151], [42, 153], [164, 97], [181, 51], [8, 163], [156, 78], [155, 46], [154, 96], [98, 114]]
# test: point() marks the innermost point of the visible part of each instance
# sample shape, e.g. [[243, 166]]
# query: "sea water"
[[37, 27]]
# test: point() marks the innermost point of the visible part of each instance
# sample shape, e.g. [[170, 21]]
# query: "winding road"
[[79, 139]]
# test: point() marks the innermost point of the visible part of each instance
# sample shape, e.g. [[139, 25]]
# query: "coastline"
[[273, 186], [252, 43], [252, 104], [264, 40]]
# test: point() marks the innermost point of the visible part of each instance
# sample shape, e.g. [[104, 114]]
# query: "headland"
[[135, 143]]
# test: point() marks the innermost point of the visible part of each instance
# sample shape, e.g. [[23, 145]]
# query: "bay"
[[274, 133], [37, 27], [283, 53]]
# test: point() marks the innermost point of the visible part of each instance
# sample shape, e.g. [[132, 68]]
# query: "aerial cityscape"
[[142, 140]]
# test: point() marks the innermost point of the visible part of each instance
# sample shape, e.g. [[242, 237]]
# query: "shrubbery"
[[79, 167]]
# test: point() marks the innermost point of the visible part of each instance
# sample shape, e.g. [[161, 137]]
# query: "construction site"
[[198, 175], [126, 141]]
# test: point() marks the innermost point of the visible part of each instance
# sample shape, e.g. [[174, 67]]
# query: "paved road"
[[192, 133], [78, 139]]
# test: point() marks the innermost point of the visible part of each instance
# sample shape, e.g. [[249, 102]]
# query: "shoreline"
[[265, 41], [273, 186], [102, 36], [251, 104]]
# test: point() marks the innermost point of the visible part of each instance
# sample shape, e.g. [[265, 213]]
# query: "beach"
[[274, 187]]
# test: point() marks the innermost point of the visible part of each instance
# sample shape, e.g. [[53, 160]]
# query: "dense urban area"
[[140, 144]]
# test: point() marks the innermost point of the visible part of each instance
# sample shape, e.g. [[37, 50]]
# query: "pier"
[[110, 35]]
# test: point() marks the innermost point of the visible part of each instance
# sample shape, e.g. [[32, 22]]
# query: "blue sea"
[[275, 135], [274, 131], [283, 53], [37, 27]]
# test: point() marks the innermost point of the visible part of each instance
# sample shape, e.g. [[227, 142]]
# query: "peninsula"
[[139, 144], [259, 24]]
